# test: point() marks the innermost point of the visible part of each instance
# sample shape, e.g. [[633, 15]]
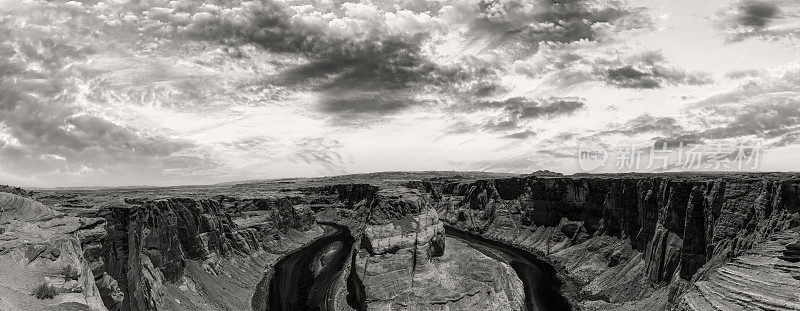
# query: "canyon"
[[411, 241]]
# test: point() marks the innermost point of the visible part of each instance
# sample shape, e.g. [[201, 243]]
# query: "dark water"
[[294, 286], [538, 277]]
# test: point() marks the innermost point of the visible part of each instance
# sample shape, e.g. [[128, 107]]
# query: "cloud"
[[516, 164], [767, 109], [521, 135], [646, 71], [525, 108], [558, 153], [352, 103], [758, 18], [756, 14], [740, 74], [376, 48], [321, 151], [171, 89], [567, 65], [522, 25], [663, 131], [353, 49], [647, 123], [512, 112], [766, 119], [511, 116], [47, 128], [461, 127]]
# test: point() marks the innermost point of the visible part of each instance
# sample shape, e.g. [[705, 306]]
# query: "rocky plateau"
[[410, 241]]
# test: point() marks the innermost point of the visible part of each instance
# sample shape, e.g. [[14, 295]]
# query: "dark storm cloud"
[[387, 84], [758, 18], [305, 73], [367, 103], [373, 59], [629, 77], [362, 108], [756, 14], [343, 66], [525, 108], [648, 71], [378, 85]]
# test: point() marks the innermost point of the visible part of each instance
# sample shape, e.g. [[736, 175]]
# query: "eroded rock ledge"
[[177, 254], [619, 242], [36, 244], [404, 265], [212, 253], [647, 242]]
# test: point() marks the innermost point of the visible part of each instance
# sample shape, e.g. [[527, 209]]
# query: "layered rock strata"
[[618, 242], [37, 244], [406, 263], [646, 242], [189, 254]]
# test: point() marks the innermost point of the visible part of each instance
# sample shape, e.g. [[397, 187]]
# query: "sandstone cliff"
[[652, 242], [212, 253], [190, 254], [406, 263], [617, 242]]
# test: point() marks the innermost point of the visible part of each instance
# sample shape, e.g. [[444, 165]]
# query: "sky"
[[156, 92]]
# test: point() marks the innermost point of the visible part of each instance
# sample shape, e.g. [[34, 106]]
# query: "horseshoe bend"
[[410, 241]]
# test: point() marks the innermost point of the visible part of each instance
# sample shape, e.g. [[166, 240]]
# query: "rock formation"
[[190, 254], [647, 242], [36, 245], [614, 242], [404, 265]]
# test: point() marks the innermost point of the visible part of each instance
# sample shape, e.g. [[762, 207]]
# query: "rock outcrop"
[[615, 242], [652, 242], [404, 264], [190, 254], [40, 246]]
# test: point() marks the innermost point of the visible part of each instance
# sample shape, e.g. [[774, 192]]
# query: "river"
[[295, 286], [538, 277]]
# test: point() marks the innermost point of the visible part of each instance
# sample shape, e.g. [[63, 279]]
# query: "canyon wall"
[[212, 253], [189, 254], [617, 242], [645, 242]]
